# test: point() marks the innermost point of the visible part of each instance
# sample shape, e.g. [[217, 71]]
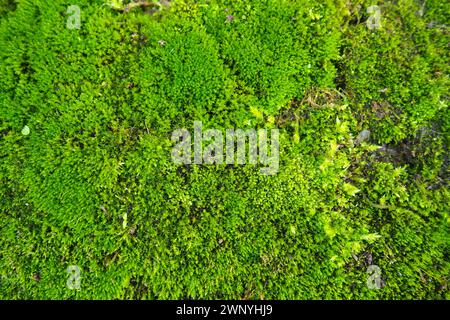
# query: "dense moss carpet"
[[358, 209]]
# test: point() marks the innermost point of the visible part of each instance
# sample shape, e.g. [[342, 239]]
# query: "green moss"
[[92, 184]]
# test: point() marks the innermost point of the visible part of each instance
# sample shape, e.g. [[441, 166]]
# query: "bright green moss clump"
[[91, 182]]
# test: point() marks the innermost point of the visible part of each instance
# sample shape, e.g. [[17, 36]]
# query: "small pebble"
[[26, 130], [363, 136]]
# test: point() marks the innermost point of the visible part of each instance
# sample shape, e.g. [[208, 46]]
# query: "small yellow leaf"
[[350, 189], [258, 114]]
